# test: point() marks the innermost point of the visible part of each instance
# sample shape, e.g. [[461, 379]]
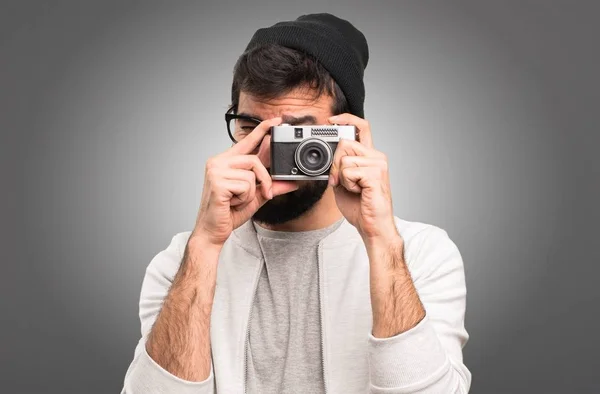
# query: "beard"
[[289, 206]]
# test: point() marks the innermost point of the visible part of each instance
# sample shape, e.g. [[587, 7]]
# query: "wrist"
[[386, 256], [200, 261], [379, 232], [384, 241], [200, 241]]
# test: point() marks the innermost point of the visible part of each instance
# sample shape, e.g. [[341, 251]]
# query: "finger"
[[251, 141], [354, 179], [378, 163], [349, 178], [354, 148], [362, 161], [234, 191], [347, 148], [242, 175], [363, 126], [253, 163]]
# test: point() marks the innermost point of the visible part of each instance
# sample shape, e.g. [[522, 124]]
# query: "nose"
[[263, 151]]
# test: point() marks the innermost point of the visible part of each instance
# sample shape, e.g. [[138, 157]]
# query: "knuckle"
[[211, 163], [211, 173], [257, 162], [216, 186], [384, 163]]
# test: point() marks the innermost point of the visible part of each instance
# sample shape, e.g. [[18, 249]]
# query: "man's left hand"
[[360, 179], [361, 183]]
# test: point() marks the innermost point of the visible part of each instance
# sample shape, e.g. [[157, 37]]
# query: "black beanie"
[[340, 47]]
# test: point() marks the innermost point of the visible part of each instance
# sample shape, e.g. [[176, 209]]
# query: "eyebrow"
[[306, 119], [291, 120]]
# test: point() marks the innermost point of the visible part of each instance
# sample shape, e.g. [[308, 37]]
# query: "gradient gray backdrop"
[[489, 112]]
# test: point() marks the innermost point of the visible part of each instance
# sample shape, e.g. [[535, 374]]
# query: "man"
[[301, 286]]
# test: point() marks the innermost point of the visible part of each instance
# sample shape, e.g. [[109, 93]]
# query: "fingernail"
[[331, 181], [270, 194]]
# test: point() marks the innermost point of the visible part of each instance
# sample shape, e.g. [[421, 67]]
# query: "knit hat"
[[339, 46]]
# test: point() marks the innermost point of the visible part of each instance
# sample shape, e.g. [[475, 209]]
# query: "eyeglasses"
[[239, 126]]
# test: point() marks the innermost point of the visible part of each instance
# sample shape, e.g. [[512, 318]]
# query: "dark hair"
[[270, 71]]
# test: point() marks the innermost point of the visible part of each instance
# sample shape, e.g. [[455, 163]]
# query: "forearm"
[[410, 350], [180, 338], [394, 300]]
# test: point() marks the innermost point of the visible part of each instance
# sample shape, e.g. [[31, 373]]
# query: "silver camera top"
[[289, 133]]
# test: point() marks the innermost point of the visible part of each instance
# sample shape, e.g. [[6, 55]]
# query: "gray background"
[[489, 112]]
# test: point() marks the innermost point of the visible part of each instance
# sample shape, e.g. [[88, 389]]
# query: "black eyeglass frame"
[[230, 115]]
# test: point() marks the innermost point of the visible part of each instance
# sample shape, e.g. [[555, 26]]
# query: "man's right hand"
[[236, 185]]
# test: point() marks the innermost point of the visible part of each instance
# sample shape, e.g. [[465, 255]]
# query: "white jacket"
[[425, 359]]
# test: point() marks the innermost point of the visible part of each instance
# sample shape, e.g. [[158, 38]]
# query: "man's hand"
[[359, 176], [236, 185]]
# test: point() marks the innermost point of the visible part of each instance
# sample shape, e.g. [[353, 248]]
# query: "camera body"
[[305, 152]]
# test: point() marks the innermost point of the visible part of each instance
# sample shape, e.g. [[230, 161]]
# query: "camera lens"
[[313, 156]]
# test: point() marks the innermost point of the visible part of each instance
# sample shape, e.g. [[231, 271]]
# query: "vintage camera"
[[305, 152]]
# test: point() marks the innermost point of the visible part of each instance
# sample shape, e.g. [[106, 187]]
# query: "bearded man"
[[301, 286]]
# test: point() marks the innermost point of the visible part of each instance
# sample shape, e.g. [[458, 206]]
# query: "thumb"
[[283, 187], [278, 188]]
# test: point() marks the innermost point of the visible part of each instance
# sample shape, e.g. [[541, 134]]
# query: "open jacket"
[[425, 359]]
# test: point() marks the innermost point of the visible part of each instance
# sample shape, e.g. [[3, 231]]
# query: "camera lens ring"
[[326, 150]]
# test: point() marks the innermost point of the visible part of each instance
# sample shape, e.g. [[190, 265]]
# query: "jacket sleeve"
[[144, 375], [427, 358]]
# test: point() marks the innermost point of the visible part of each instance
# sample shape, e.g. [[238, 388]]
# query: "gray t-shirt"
[[284, 349]]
